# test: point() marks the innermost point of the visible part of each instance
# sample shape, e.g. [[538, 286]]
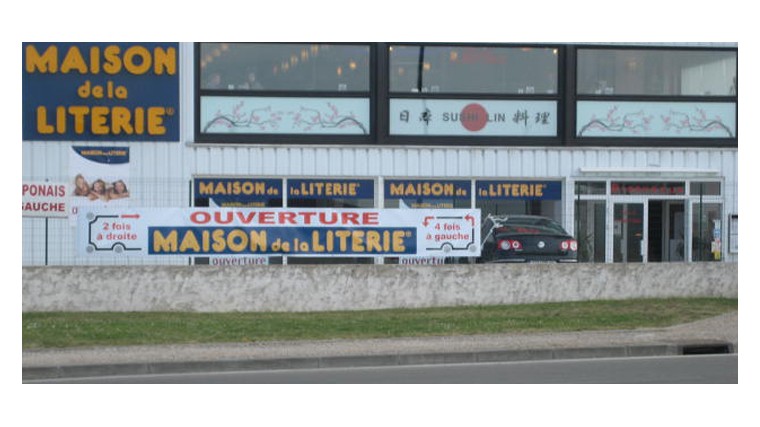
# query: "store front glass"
[[648, 221]]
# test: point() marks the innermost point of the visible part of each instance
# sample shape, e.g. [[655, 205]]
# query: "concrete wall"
[[354, 287]]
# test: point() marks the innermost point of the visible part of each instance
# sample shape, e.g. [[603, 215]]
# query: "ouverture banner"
[[279, 231]]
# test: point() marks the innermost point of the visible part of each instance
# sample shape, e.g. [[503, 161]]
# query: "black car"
[[526, 238]]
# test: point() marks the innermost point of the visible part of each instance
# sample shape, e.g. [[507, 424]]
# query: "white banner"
[[280, 231]]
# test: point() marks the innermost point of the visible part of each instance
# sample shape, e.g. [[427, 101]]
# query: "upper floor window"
[[285, 67], [473, 70], [657, 72]]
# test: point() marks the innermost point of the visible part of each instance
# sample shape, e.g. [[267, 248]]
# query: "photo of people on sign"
[[99, 177]]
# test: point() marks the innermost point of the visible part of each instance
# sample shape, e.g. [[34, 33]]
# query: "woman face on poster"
[[118, 190], [82, 188], [98, 190]]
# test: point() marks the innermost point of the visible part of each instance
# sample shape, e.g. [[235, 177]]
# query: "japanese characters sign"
[[276, 231], [472, 117]]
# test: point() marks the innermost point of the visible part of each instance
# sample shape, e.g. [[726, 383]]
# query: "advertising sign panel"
[[237, 192], [279, 231], [45, 199], [518, 190], [99, 177], [100, 91]]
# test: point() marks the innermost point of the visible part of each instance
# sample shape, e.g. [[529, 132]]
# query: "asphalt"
[[713, 335]]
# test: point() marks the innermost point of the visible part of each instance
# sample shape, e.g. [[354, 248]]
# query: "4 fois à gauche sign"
[[279, 232]]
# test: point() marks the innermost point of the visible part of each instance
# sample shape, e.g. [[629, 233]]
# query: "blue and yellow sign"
[[427, 194], [331, 189], [518, 190], [101, 91], [363, 241], [239, 192]]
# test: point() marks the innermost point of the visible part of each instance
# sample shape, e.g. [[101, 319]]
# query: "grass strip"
[[87, 329]]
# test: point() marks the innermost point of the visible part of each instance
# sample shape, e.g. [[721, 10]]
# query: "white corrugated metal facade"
[[162, 172]]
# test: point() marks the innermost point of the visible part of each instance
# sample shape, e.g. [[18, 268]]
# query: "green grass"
[[85, 329]]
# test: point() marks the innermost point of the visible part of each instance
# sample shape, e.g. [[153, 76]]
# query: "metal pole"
[[46, 241]]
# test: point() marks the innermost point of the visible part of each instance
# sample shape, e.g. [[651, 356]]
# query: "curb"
[[645, 350]]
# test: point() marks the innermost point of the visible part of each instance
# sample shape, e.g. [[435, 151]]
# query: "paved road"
[[701, 369]]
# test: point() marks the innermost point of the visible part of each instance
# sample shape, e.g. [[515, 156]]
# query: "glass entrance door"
[[628, 236]]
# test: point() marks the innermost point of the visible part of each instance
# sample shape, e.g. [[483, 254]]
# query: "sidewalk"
[[716, 334]]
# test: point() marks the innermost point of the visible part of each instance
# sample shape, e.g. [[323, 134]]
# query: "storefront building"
[[632, 148]]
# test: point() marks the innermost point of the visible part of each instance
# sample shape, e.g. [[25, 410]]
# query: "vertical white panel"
[[426, 162], [502, 163], [386, 162], [322, 162], [464, 165], [452, 163], [308, 162], [528, 168], [515, 162], [413, 166], [374, 162], [540, 163]]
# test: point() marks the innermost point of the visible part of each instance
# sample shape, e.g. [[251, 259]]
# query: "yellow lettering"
[[189, 242], [120, 121], [165, 61], [373, 241], [112, 63], [79, 113], [218, 237], [315, 245], [398, 241], [74, 61], [258, 241], [142, 65], [98, 121], [45, 63], [237, 240], [163, 243], [42, 125], [357, 241], [156, 120], [343, 236]]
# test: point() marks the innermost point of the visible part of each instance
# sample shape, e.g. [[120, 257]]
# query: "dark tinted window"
[[285, 67], [473, 69], [657, 72]]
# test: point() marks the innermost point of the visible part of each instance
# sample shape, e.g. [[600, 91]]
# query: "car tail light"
[[566, 245], [506, 245]]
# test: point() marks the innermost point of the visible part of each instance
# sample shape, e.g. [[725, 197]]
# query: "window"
[[285, 67], [590, 187], [705, 189], [657, 72], [473, 69], [706, 231], [251, 92]]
